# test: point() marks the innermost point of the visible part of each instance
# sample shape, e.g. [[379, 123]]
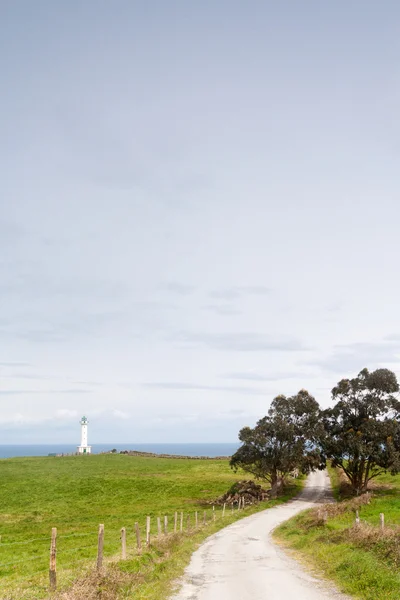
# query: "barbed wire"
[[27, 578], [46, 539], [18, 562], [70, 535], [113, 537], [69, 550]]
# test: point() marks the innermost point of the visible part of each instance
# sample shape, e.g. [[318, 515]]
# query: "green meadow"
[[363, 561], [77, 493]]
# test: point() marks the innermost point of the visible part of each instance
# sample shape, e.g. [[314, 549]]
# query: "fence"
[[93, 548], [323, 516]]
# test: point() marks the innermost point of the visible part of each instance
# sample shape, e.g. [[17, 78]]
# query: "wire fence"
[[41, 561]]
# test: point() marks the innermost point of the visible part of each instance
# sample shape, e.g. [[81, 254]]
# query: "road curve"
[[241, 562]]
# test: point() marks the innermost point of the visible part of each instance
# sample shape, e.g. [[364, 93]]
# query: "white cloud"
[[66, 413], [120, 414]]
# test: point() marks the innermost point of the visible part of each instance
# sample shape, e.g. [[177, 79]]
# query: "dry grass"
[[119, 579], [100, 586], [318, 517], [384, 542]]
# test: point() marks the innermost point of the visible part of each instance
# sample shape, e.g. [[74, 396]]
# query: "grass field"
[[363, 561], [77, 493]]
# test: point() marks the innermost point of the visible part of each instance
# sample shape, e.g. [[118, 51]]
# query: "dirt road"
[[241, 562]]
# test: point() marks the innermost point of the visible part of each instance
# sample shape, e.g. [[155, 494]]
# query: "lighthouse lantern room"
[[84, 448]]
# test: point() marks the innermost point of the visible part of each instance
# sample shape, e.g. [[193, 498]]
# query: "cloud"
[[236, 292], [29, 377], [66, 413], [95, 383], [335, 307], [14, 364], [175, 418], [52, 328], [31, 392], [223, 309], [11, 233], [177, 385], [252, 376], [175, 287], [120, 414], [241, 342], [20, 418], [354, 357], [45, 286]]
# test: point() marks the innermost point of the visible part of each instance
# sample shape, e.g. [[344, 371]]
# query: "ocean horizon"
[[180, 449]]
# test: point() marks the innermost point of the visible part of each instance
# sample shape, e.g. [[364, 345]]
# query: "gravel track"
[[242, 562]]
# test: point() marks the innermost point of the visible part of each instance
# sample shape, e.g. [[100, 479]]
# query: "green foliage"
[[282, 441], [362, 430], [362, 562], [77, 493]]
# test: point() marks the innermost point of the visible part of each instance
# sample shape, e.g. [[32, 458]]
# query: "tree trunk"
[[366, 476], [274, 483]]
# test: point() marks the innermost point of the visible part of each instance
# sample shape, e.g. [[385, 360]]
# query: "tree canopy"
[[360, 434], [284, 440], [362, 431]]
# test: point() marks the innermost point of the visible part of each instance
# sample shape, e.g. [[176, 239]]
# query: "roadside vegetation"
[[348, 542], [153, 574], [77, 493], [361, 558]]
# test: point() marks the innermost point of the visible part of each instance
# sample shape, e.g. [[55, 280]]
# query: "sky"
[[199, 210]]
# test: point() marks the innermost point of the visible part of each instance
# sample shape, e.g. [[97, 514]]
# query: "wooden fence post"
[[175, 521], [239, 503], [196, 519], [357, 518], [205, 517], [147, 531], [382, 520], [123, 543], [53, 565], [223, 509], [166, 525], [159, 526], [213, 513], [138, 543], [181, 524], [100, 546]]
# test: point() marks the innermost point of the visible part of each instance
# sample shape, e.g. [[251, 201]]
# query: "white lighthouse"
[[84, 448]]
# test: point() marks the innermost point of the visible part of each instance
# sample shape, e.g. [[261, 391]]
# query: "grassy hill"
[[362, 559], [77, 493]]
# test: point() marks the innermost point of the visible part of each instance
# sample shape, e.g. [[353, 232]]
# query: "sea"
[[205, 449]]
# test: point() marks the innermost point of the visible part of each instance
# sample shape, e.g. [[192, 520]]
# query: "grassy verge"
[[362, 560], [75, 494], [151, 575]]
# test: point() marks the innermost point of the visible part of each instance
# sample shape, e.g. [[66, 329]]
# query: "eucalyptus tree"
[[362, 430], [285, 439]]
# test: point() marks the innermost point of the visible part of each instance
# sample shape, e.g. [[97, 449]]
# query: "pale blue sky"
[[199, 209]]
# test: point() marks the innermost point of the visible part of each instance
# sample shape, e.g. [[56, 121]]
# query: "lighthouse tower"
[[84, 448]]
